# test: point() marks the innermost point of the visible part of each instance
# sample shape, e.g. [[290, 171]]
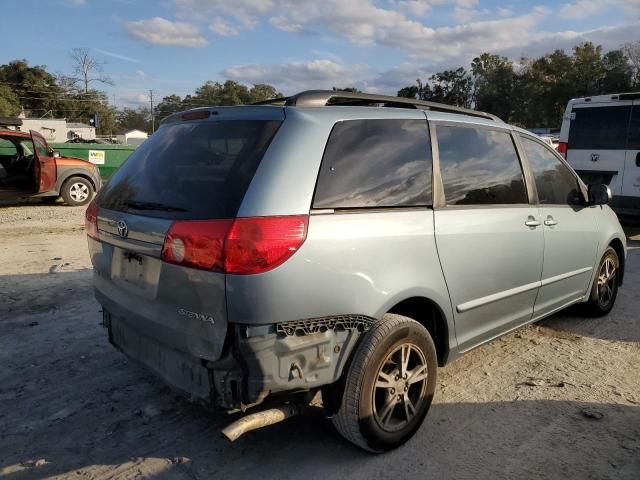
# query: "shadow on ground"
[[70, 400]]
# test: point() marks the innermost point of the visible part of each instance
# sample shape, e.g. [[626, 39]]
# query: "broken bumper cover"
[[296, 356], [262, 360]]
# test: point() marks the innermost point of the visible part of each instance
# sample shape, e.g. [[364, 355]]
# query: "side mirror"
[[599, 194], [56, 154]]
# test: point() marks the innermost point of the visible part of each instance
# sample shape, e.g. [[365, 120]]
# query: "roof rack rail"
[[322, 98]]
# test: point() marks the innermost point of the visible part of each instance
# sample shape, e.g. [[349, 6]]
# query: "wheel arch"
[[67, 175], [618, 246], [431, 316]]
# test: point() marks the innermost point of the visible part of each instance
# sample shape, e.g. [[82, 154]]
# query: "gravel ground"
[[560, 399]]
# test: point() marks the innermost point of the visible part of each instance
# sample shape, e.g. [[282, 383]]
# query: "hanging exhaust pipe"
[[260, 420]]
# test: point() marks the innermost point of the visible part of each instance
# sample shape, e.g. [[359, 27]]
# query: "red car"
[[34, 170]]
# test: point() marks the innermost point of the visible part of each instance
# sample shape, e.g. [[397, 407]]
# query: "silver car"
[[344, 243]]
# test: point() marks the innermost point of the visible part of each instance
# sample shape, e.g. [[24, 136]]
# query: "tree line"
[[75, 96], [533, 92]]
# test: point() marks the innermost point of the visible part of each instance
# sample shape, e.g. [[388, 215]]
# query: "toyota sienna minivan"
[[340, 243]]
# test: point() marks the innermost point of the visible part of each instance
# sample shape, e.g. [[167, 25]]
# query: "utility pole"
[[153, 124]]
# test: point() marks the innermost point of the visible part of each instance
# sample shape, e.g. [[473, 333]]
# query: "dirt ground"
[[560, 399]]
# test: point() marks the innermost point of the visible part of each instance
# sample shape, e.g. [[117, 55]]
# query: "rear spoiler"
[[10, 122]]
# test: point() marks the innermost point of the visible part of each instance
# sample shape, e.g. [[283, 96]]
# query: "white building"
[[57, 130], [132, 137], [80, 130]]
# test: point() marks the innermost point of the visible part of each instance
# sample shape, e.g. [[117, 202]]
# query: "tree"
[[87, 69], [412, 91], [632, 52], [36, 89], [494, 82], [169, 104], [9, 103], [130, 119], [588, 71], [262, 92], [452, 87], [618, 72]]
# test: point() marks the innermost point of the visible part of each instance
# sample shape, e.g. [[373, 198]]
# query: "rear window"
[[599, 128], [191, 170], [376, 163]]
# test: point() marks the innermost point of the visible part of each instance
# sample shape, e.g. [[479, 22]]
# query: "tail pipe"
[[259, 420]]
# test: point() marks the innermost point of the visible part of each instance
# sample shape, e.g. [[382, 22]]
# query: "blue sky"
[[173, 46]]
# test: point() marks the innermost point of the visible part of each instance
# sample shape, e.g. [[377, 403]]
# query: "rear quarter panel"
[[351, 263]]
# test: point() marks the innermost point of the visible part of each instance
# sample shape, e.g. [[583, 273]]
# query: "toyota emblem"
[[123, 230]]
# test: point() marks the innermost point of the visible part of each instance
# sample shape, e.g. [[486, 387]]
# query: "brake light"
[[240, 246], [198, 244], [91, 220], [563, 147]]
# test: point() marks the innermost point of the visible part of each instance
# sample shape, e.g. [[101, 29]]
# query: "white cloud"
[[583, 8], [631, 7], [293, 77], [75, 3], [137, 100], [464, 15], [389, 23], [160, 31], [221, 27], [504, 12]]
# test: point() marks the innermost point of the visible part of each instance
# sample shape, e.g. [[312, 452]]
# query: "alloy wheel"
[[398, 393], [606, 281], [79, 192]]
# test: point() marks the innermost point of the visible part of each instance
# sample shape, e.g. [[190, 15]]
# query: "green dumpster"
[[107, 157]]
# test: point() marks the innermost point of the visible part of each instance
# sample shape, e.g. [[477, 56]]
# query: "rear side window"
[[191, 170], [634, 129], [555, 183], [599, 128], [479, 167], [375, 163]]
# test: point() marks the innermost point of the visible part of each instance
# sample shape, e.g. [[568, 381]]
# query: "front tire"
[[389, 386], [77, 191], [605, 286]]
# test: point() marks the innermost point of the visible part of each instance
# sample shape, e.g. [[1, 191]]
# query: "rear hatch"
[[597, 143], [198, 166]]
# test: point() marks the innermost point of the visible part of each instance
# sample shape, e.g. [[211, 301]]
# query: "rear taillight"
[[240, 246], [198, 244], [562, 149], [91, 220]]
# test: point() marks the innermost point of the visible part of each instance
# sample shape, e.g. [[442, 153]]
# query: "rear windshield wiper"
[[136, 205]]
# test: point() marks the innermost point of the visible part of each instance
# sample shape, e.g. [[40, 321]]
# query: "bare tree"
[[87, 69], [632, 51]]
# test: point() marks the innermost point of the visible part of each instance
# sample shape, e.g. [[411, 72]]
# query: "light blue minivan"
[[340, 242]]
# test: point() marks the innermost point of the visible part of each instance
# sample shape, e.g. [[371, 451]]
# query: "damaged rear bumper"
[[258, 360]]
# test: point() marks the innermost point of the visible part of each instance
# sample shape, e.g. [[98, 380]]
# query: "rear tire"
[[77, 191], [389, 385], [605, 285]]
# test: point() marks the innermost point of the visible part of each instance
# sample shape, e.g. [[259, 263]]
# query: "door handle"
[[550, 222], [532, 222], [638, 159]]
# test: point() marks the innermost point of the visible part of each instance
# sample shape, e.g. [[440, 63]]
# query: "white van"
[[600, 138]]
